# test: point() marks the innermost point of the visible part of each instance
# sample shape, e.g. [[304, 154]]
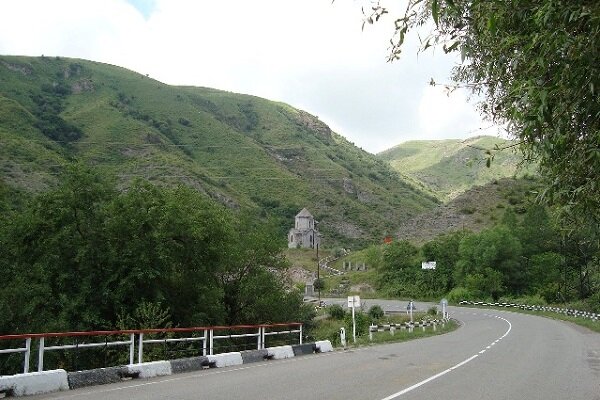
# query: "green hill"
[[243, 151], [450, 167], [479, 208]]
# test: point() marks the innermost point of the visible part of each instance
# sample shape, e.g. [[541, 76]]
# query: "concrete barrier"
[[190, 364], [226, 359], [149, 370], [323, 346], [302, 349], [99, 376], [57, 380], [251, 356], [280, 352], [34, 383]]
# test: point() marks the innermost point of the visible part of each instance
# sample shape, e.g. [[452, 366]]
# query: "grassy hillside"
[[478, 208], [243, 151], [450, 167]]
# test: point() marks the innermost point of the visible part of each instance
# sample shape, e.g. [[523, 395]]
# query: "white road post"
[[353, 301], [353, 325]]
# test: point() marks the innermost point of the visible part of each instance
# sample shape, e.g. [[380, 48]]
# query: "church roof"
[[304, 213]]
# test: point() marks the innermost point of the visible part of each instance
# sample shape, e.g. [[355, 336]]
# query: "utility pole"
[[318, 275]]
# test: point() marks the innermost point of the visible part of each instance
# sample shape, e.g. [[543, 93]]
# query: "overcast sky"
[[310, 54]]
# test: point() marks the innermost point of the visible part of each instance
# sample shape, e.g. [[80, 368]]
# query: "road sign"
[[353, 301], [428, 265]]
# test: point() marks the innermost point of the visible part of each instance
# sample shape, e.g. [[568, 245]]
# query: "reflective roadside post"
[[343, 337], [444, 304]]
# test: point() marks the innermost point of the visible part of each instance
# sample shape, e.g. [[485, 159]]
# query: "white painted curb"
[[226, 359], [280, 352], [35, 382], [323, 346], [150, 369]]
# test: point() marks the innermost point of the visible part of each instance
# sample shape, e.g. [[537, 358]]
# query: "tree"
[[400, 269], [444, 250], [85, 256], [537, 65], [497, 250]]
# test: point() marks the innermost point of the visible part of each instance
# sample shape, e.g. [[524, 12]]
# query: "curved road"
[[493, 355]]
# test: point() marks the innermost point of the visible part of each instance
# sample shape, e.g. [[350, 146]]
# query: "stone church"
[[304, 234]]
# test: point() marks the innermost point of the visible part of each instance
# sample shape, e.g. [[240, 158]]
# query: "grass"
[[328, 329], [244, 151], [450, 167]]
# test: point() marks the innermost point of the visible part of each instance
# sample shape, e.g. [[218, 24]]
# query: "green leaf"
[[491, 23], [435, 11]]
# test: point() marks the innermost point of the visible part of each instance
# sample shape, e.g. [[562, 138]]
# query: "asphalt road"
[[493, 355]]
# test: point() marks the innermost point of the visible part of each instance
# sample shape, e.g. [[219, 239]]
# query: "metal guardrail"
[[208, 336], [564, 311]]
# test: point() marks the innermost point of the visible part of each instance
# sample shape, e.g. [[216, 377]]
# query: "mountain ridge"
[[450, 167], [241, 150]]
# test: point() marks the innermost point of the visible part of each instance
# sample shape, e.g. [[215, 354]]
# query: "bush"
[[376, 312], [336, 311], [460, 293], [535, 300], [362, 324], [432, 311]]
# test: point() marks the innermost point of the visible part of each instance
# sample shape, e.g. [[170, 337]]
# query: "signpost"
[[353, 301]]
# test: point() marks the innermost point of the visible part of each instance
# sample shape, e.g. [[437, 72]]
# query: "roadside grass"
[[329, 329], [592, 325], [404, 335]]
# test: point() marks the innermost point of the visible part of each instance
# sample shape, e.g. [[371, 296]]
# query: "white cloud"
[[311, 54]]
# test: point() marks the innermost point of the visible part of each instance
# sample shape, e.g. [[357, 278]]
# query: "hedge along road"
[[494, 355]]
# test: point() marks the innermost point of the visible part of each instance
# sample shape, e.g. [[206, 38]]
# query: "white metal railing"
[[208, 337]]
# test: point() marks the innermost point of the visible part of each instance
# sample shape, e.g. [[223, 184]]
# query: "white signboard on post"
[[353, 301], [428, 265]]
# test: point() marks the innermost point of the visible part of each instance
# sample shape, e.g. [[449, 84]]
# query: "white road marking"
[[460, 364]]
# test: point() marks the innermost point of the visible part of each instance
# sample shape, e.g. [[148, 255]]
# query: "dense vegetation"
[[527, 257], [86, 256]]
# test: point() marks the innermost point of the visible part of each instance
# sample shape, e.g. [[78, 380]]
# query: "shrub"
[[432, 311], [362, 323], [376, 312], [460, 293], [336, 311]]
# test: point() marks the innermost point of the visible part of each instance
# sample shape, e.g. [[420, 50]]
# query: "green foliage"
[[363, 321], [146, 316], [244, 152], [450, 167], [493, 249], [336, 311], [376, 312], [460, 293], [84, 257], [319, 284], [537, 64]]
